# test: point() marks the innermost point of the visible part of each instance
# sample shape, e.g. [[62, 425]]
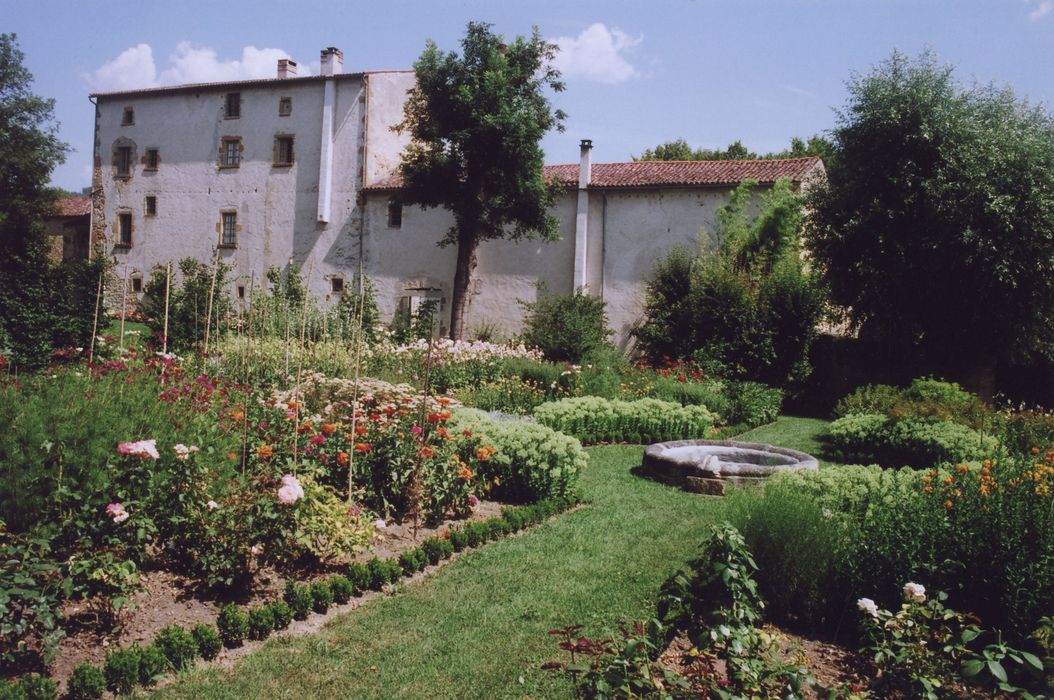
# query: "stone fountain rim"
[[804, 461]]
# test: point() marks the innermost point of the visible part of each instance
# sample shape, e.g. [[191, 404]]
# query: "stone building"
[[299, 170], [68, 228]]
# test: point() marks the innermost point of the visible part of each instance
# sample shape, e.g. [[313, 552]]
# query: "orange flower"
[[949, 504], [434, 418], [426, 452], [342, 459], [465, 473], [232, 456], [306, 427], [361, 430], [265, 451], [962, 468], [466, 433], [293, 405], [443, 401], [442, 432], [329, 428], [484, 453], [362, 447], [1035, 450], [928, 489], [238, 415]]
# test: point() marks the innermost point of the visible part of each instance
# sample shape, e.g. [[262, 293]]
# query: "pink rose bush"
[[291, 491], [143, 449], [117, 512]]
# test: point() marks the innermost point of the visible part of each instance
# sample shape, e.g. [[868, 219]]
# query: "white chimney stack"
[[286, 68], [585, 166], [332, 61]]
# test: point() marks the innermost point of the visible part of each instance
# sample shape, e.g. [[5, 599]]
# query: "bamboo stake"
[[355, 401], [208, 307], [124, 310], [95, 320], [168, 287], [300, 360]]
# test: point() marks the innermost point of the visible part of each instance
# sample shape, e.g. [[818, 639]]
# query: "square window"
[[285, 106], [230, 152], [128, 116], [395, 214], [336, 284], [241, 291], [137, 285], [124, 229], [152, 159], [233, 105], [229, 230], [124, 161], [283, 150], [151, 205]]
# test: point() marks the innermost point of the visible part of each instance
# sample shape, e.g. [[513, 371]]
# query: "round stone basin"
[[708, 466]]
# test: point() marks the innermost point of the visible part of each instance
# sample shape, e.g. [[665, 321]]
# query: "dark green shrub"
[[321, 596], [476, 534], [565, 326], [261, 622], [408, 562], [342, 589], [514, 518], [916, 442], [282, 614], [393, 570], [37, 687], [86, 683], [299, 599], [497, 528], [208, 640], [233, 625], [458, 539], [378, 573], [359, 575], [870, 398], [752, 404], [432, 550], [121, 669], [11, 690], [188, 306], [177, 645], [152, 665]]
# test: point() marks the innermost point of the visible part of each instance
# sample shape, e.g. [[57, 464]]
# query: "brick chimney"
[[332, 61], [286, 68]]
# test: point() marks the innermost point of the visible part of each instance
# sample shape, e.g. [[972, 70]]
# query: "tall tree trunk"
[[466, 265]]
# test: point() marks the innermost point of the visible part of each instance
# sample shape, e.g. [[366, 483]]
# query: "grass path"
[[477, 628], [796, 433]]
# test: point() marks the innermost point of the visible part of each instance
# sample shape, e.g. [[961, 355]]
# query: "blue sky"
[[638, 73]]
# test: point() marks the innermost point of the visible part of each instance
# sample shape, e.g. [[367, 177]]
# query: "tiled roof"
[[668, 173], [266, 82], [73, 206]]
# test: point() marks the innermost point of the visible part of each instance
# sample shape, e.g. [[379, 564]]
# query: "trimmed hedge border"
[[358, 579]]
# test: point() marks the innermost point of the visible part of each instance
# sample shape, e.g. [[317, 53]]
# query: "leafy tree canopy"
[[680, 150], [477, 120], [936, 227]]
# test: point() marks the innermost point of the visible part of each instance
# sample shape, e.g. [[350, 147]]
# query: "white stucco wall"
[[277, 206]]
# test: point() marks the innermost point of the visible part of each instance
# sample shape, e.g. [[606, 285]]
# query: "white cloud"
[[795, 90], [1044, 8], [135, 67], [598, 53]]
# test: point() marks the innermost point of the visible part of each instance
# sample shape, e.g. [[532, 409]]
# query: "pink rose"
[[291, 490], [117, 512], [141, 449]]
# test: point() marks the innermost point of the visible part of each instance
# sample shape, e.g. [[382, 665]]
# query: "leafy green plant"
[[34, 686], [122, 670], [177, 645], [566, 327], [152, 665], [342, 589], [261, 622], [593, 419], [233, 625], [282, 614], [299, 598], [208, 640], [916, 442], [359, 575], [321, 596], [86, 683], [30, 606], [195, 286], [458, 539]]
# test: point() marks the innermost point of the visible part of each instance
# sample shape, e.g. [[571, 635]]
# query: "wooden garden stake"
[[168, 288], [208, 307], [95, 320], [124, 309], [300, 359]]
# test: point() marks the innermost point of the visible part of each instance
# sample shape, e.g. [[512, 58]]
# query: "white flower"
[[256, 550], [213, 505], [828, 514], [914, 592], [867, 605], [182, 451], [380, 524]]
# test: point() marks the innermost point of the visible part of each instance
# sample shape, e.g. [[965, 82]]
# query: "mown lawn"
[[477, 629]]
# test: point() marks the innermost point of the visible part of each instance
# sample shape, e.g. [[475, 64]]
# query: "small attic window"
[[336, 285], [285, 106], [128, 116], [233, 105], [395, 213]]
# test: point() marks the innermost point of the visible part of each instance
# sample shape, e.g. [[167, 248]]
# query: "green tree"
[[32, 310], [680, 150], [936, 228], [477, 121], [749, 309]]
